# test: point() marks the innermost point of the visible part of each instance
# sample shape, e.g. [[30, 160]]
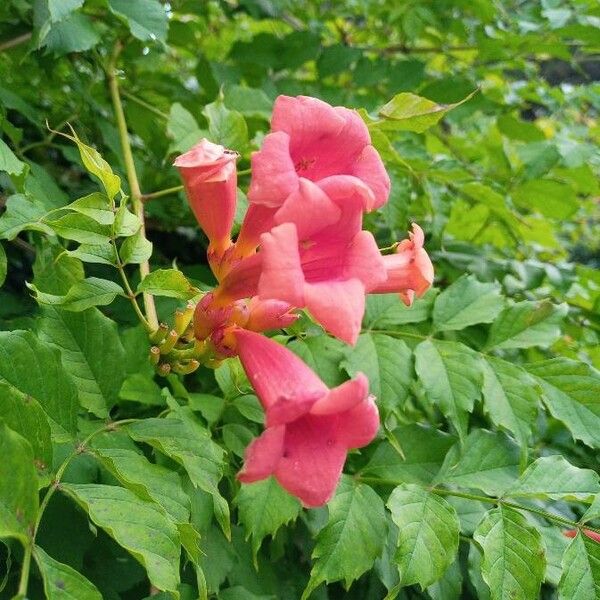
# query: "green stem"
[[24, 580], [134, 186], [166, 192], [489, 500], [145, 104], [20, 39]]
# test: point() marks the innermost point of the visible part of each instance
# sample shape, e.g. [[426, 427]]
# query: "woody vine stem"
[[134, 186]]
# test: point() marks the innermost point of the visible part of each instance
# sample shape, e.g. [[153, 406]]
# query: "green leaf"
[[423, 451], [385, 311], [571, 391], [147, 480], [509, 397], [552, 199], [263, 508], [183, 128], [8, 161], [91, 353], [387, 362], [409, 112], [527, 324], [83, 295], [226, 127], [23, 414], [186, 443], [35, 369], [513, 555], [466, 302], [352, 538], [81, 228], [427, 537], [451, 375], [167, 282], [486, 461], [3, 265], [250, 102], [140, 388], [450, 586], [102, 254], [62, 582], [18, 486], [96, 206], [74, 33], [96, 165], [581, 570], [59, 9], [22, 213], [555, 478], [135, 249], [126, 223], [147, 19], [141, 527], [324, 355]]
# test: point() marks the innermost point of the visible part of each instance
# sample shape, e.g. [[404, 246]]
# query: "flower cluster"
[[300, 246]]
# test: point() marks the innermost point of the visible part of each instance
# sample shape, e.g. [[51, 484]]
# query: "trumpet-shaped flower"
[[309, 428], [409, 270], [314, 140], [210, 179]]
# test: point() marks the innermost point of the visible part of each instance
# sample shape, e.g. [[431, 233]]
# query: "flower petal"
[[274, 177], [343, 397], [312, 460], [282, 277], [262, 455], [276, 372], [338, 306], [369, 168], [359, 425]]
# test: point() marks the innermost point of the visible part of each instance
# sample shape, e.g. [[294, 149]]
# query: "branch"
[[20, 39], [134, 186]]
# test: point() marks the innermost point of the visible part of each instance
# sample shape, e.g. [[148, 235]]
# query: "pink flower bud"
[[571, 533], [409, 271], [210, 179], [269, 314]]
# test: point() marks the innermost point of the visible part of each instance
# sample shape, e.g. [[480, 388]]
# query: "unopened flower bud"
[[185, 367], [169, 342], [164, 369], [183, 318], [159, 335], [154, 355]]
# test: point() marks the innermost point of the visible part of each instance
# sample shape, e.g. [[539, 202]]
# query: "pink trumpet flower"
[[319, 258], [319, 142], [409, 270], [210, 179], [309, 428]]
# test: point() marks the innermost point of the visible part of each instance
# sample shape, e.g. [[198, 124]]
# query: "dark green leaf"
[[91, 353], [18, 486], [167, 282], [466, 302], [35, 369], [352, 538], [581, 570], [527, 324], [513, 555], [140, 527], [264, 507], [62, 582], [427, 537], [147, 19], [571, 391], [451, 375], [387, 362]]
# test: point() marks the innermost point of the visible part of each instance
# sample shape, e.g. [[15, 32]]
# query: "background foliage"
[[488, 386]]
